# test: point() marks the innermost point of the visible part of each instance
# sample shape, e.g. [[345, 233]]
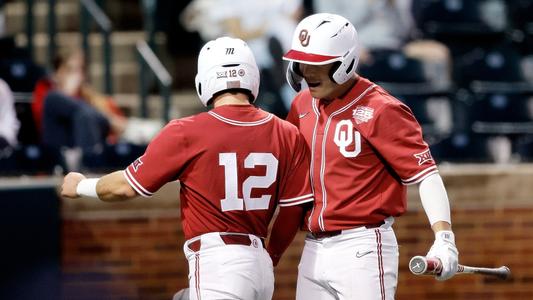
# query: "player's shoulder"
[[186, 124], [380, 96]]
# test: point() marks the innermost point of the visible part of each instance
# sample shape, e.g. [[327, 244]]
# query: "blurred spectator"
[[70, 113], [380, 24], [387, 26], [180, 41], [267, 28], [9, 124], [183, 45]]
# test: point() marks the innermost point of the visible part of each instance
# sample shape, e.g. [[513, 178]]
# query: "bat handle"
[[421, 265]]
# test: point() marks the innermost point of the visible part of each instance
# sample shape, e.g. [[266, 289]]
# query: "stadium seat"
[[460, 23], [30, 160], [20, 73], [393, 66], [521, 17], [112, 157], [17, 67], [524, 147], [462, 147], [497, 64], [502, 107]]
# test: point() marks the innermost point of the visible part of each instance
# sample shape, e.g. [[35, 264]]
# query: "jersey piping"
[[311, 169], [420, 176], [241, 123], [136, 185], [296, 200]]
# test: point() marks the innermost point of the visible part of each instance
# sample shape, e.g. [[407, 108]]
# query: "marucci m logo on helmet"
[[304, 37], [230, 51]]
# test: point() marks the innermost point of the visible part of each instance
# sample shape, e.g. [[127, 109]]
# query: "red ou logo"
[[304, 37]]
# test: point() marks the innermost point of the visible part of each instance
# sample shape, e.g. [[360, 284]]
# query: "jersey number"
[[231, 200], [344, 138]]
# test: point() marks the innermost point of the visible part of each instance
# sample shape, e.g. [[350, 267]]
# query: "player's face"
[[320, 84]]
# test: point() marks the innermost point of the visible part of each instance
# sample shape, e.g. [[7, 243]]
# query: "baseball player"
[[366, 147], [235, 164]]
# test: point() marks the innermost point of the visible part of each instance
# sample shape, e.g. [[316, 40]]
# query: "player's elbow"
[[126, 192], [118, 193]]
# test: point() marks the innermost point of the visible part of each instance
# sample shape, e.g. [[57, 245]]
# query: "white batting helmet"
[[223, 64], [322, 39]]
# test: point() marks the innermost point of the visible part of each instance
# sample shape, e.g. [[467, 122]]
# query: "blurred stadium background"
[[479, 124]]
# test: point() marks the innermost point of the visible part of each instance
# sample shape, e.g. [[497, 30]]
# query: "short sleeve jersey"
[[365, 147], [235, 164]]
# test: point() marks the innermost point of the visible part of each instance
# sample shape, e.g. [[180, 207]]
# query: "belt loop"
[[388, 222]]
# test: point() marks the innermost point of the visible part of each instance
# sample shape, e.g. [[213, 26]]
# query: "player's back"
[[239, 159]]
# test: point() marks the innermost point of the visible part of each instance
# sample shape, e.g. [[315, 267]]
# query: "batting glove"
[[444, 249]]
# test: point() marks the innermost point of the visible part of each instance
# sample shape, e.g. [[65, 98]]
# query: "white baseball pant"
[[359, 263], [228, 271]]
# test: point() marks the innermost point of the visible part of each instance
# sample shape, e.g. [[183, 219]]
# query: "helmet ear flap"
[[334, 69], [294, 76], [343, 70], [198, 85]]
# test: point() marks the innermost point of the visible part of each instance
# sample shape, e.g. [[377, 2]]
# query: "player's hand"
[[444, 249], [70, 183]]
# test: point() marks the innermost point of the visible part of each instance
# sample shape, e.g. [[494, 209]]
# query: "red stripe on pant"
[[197, 275], [380, 263]]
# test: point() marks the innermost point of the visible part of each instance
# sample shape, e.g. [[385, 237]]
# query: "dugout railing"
[[89, 11], [149, 61]]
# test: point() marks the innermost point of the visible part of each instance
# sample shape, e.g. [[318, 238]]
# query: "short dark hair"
[[233, 91]]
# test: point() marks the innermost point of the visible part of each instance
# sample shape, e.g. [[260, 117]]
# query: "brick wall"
[[114, 252]]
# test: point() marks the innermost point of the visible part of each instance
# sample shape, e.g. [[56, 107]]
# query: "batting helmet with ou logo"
[[323, 39], [223, 64]]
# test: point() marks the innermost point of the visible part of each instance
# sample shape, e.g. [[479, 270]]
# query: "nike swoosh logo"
[[359, 255], [302, 115]]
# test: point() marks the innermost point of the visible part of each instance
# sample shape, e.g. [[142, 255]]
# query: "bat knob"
[[418, 265]]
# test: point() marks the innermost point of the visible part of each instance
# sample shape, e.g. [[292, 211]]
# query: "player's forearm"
[[283, 231], [435, 202], [114, 187]]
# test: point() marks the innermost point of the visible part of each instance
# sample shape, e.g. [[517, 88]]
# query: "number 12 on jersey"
[[231, 200]]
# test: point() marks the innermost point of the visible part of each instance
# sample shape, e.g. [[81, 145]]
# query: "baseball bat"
[[421, 265]]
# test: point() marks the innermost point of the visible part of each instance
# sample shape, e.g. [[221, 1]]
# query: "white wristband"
[[87, 187]]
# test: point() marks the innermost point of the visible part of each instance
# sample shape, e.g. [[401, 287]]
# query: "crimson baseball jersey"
[[235, 163], [365, 147]]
